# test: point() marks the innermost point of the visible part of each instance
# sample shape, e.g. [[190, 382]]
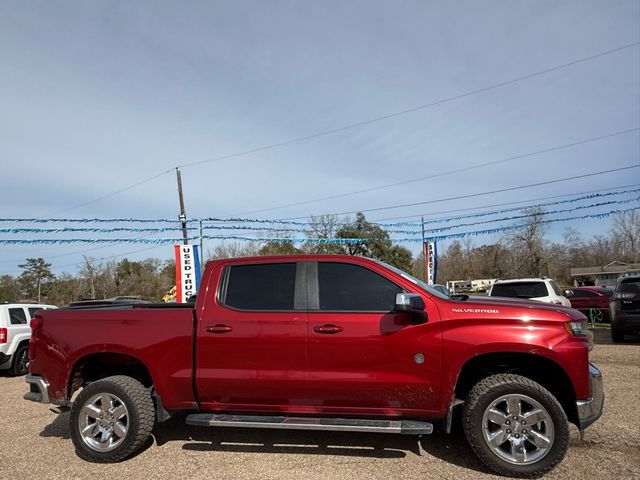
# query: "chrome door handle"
[[219, 328], [329, 329]]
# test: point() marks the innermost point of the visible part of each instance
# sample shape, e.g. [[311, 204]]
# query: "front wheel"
[[111, 419], [515, 426]]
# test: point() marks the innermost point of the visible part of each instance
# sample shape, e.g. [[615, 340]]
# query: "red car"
[[324, 343], [592, 301]]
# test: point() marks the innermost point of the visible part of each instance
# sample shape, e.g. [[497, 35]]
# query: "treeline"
[[526, 252]]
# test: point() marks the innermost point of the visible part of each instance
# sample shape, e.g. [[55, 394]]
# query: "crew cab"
[[326, 342]]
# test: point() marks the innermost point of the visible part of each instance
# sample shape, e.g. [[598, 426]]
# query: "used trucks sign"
[[187, 271]]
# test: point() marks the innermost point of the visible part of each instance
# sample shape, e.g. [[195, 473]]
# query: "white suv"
[[541, 289], [15, 333]]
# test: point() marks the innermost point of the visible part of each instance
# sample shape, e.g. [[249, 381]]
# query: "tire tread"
[[483, 388], [145, 413]]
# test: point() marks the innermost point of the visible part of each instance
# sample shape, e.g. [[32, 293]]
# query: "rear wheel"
[[20, 363], [111, 419], [515, 426]]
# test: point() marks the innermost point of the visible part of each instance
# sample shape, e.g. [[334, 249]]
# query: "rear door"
[[363, 357], [251, 343]]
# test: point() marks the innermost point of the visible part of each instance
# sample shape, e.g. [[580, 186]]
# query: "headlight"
[[579, 329]]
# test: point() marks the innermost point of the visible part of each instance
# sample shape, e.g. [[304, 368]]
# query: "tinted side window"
[[345, 287], [33, 310], [268, 286], [556, 288], [584, 293], [520, 290], [17, 316]]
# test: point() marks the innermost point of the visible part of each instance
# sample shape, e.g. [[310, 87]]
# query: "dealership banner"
[[431, 259], [187, 271]]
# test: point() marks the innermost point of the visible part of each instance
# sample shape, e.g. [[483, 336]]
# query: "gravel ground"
[[34, 443]]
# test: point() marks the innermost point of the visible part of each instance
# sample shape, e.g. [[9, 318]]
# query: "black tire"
[[20, 362], [140, 418], [617, 335], [485, 394]]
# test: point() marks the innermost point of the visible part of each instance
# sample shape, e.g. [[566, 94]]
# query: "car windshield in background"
[[519, 290], [413, 279]]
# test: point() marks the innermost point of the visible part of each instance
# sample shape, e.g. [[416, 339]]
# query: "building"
[[606, 276]]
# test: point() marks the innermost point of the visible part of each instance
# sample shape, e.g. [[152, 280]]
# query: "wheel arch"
[[99, 365], [540, 369]]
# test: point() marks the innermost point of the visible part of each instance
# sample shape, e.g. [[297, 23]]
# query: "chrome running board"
[[405, 427]]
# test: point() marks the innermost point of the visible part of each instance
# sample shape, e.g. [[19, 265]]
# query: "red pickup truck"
[[328, 343]]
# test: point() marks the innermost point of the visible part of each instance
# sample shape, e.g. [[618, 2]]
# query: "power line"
[[467, 209], [412, 109], [449, 172], [588, 194], [491, 231], [364, 122], [124, 189], [490, 192]]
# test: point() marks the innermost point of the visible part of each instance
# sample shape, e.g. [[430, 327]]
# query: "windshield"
[[414, 280], [519, 290]]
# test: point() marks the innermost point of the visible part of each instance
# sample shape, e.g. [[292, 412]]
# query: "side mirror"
[[413, 304], [568, 293]]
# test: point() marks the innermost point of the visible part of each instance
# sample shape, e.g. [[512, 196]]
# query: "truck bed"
[[159, 335]]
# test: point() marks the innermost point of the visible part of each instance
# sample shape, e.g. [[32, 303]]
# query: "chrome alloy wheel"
[[103, 422], [23, 362], [518, 429]]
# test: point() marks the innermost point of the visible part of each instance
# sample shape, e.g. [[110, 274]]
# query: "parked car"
[[625, 308], [592, 301], [442, 289], [322, 342], [15, 334], [540, 289]]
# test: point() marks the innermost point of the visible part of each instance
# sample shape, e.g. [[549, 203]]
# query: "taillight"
[[3, 335], [35, 323]]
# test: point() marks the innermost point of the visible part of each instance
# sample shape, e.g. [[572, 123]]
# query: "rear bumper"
[[590, 410], [5, 360], [38, 389]]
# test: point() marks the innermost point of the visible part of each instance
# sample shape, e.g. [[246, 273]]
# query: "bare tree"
[[233, 250], [528, 244], [322, 227], [626, 234], [88, 272]]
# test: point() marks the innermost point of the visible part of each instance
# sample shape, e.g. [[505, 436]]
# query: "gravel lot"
[[34, 443]]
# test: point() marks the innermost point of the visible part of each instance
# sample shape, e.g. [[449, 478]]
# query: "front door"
[[363, 357]]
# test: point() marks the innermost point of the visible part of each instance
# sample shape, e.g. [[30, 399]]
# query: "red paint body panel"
[[278, 362], [159, 339]]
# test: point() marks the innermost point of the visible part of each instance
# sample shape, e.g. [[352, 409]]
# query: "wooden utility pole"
[[183, 215]]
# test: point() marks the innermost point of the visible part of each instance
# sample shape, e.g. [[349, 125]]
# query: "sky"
[[96, 97]]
